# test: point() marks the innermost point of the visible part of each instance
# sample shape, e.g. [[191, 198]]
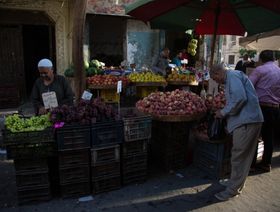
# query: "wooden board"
[[177, 118], [150, 84]]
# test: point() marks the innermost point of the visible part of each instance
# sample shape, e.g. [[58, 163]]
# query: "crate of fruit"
[[104, 185], [105, 171], [134, 148], [76, 189], [106, 133], [33, 194], [68, 158], [32, 178], [21, 130], [137, 126]]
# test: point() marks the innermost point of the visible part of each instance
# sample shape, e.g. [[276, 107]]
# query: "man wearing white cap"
[[50, 90]]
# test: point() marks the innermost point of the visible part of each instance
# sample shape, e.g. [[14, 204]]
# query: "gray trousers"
[[245, 140]]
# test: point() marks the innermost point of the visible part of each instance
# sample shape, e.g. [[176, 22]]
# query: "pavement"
[[188, 189]]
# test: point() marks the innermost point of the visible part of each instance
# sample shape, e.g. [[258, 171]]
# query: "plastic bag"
[[216, 128]]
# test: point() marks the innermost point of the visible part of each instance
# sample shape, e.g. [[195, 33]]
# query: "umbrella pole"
[[218, 11]]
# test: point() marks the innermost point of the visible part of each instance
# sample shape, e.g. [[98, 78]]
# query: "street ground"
[[190, 191]]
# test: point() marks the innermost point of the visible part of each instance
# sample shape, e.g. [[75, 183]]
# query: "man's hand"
[[219, 115], [42, 111]]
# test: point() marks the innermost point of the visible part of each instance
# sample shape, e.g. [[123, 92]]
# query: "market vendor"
[[50, 90], [161, 64], [177, 60]]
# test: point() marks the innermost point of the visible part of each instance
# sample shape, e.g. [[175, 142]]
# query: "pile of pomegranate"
[[216, 103], [176, 102]]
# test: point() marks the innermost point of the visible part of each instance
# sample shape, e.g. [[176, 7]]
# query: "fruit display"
[[107, 80], [176, 102], [216, 103], [15, 123], [91, 68], [85, 112], [175, 77], [192, 47], [145, 77]]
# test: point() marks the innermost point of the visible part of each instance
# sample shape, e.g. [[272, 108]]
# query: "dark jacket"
[[60, 86]]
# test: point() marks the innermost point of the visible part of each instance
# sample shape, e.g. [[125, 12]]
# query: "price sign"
[[119, 87], [86, 95], [49, 100]]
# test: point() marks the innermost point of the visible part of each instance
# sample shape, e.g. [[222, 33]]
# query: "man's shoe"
[[225, 196], [264, 167], [224, 182]]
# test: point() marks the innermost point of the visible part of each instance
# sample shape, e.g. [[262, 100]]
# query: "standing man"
[[161, 64], [244, 121], [244, 63], [266, 79], [49, 83]]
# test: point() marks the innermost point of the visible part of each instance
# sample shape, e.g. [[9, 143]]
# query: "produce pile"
[[192, 46], [15, 123], [107, 80], [216, 103], [175, 77], [145, 77], [177, 102], [86, 112], [92, 68]]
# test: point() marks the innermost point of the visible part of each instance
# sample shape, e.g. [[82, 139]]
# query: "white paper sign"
[[49, 99], [86, 95], [119, 87]]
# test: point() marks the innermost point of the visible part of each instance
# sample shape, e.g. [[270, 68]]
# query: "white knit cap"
[[45, 63]]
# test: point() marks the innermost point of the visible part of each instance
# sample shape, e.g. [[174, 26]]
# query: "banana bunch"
[[192, 47]]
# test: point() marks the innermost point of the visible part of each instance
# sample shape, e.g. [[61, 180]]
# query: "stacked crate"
[[105, 156], [170, 141], [30, 151], [137, 133], [213, 157], [74, 160]]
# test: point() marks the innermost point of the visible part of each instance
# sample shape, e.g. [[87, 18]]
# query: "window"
[[231, 59], [225, 40], [233, 40]]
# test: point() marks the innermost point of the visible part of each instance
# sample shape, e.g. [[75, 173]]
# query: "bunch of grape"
[[15, 123], [85, 112]]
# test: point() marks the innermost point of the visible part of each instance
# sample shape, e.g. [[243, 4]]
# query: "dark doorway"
[[106, 38], [36, 45]]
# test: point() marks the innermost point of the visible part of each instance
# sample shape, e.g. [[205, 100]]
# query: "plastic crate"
[[214, 169], [137, 126], [73, 137], [31, 164], [74, 174], [68, 158], [105, 155], [25, 138], [136, 162], [33, 194], [134, 177], [142, 92], [104, 185], [107, 133], [134, 147], [75, 189], [214, 151], [27, 151], [32, 178], [106, 171], [110, 95]]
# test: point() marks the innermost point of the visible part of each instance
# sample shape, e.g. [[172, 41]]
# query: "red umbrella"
[[233, 17]]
